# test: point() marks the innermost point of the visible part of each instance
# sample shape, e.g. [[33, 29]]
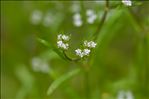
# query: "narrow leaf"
[[44, 42], [61, 79]]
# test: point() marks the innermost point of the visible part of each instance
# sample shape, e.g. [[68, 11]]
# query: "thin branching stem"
[[69, 58], [95, 35]]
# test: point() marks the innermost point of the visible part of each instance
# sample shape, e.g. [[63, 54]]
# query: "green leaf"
[[44, 42], [61, 79]]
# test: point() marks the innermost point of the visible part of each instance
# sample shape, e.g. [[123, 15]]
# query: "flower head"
[[127, 2], [63, 37], [79, 52], [82, 53], [86, 51], [62, 45], [62, 41], [90, 44]]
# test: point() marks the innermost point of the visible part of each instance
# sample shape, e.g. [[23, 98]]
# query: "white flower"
[[66, 46], [59, 37], [62, 45], [59, 43], [36, 17], [79, 52], [63, 37], [86, 51], [127, 2], [82, 53], [62, 41], [77, 20], [90, 44]]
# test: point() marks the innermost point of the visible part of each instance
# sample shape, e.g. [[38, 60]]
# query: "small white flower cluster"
[[91, 17], [90, 44], [62, 41], [40, 65], [125, 95], [127, 2], [82, 53], [87, 50]]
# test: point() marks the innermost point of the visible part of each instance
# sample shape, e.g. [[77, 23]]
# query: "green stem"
[[69, 58], [95, 35], [87, 85]]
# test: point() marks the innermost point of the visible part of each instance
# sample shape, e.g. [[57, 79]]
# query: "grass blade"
[[60, 80], [44, 42]]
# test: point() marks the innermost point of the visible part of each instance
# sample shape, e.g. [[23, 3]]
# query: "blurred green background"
[[120, 62]]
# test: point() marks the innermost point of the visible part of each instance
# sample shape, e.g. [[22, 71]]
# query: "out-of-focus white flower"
[[127, 2], [91, 16], [89, 12], [40, 65], [47, 20], [36, 17], [129, 95], [90, 44], [125, 95], [77, 21], [121, 95], [77, 16], [62, 41], [91, 19]]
